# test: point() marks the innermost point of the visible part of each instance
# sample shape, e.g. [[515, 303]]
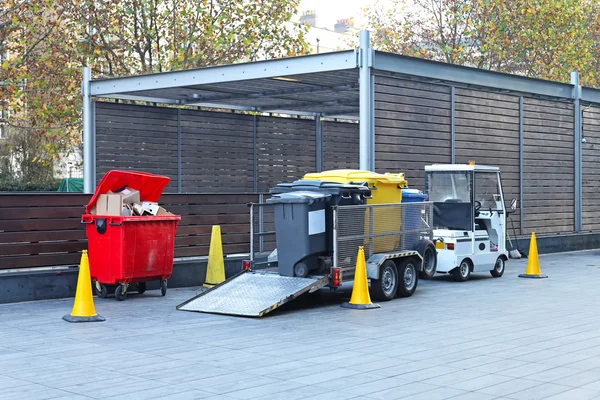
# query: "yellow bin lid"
[[357, 175]]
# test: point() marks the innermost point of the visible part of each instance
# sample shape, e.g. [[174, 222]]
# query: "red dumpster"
[[125, 250]]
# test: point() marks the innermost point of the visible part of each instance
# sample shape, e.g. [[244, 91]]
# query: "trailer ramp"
[[252, 293]]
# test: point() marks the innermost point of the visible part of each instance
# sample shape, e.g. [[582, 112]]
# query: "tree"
[[45, 43], [538, 38]]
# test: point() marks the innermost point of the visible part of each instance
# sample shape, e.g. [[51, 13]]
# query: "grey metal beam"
[[303, 104], [273, 93], [365, 58], [319, 142], [140, 98], [466, 75], [228, 73], [590, 95], [179, 150], [577, 137], [372, 126], [88, 134], [521, 171], [452, 125]]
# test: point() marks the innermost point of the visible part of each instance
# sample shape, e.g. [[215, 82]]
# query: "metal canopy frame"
[[338, 84]]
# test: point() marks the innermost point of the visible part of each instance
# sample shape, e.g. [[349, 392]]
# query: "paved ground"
[[484, 339]]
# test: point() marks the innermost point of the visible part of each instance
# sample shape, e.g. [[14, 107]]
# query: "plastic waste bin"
[[340, 195], [412, 216], [130, 249], [385, 189], [300, 231]]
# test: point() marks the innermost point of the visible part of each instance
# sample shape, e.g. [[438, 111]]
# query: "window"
[[452, 186], [487, 190]]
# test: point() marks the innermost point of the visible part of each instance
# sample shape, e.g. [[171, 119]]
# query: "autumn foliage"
[[544, 39], [45, 43]]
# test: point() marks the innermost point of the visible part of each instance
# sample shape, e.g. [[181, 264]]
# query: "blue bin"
[[412, 216]]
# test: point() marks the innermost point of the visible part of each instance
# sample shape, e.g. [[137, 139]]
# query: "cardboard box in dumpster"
[[130, 196], [108, 204]]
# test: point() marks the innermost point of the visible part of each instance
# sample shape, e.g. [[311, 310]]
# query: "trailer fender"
[[375, 261]]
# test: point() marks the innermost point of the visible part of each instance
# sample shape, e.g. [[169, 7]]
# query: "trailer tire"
[[386, 287], [409, 278], [428, 252]]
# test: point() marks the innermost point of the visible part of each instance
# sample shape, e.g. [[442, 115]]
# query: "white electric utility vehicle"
[[469, 219]]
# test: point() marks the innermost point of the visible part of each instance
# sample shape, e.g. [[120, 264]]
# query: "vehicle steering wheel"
[[477, 207]]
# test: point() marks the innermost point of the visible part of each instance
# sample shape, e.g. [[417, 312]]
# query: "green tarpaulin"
[[72, 185]]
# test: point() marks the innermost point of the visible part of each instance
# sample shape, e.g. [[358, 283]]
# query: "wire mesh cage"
[[380, 228]]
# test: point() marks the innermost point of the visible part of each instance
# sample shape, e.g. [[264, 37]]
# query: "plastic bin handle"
[[112, 223], [87, 221]]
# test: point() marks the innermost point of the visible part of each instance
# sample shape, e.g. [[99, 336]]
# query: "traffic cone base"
[[533, 263], [215, 270], [360, 299], [83, 307]]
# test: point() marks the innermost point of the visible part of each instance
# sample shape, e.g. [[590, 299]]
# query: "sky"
[[329, 11]]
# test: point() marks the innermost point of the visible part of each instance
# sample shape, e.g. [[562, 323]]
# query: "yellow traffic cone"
[[83, 308], [215, 271], [360, 299], [533, 262]]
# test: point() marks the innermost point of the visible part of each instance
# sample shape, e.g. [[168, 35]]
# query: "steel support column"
[[319, 142], [521, 172], [88, 134], [367, 117], [577, 137], [452, 124], [254, 154], [179, 150]]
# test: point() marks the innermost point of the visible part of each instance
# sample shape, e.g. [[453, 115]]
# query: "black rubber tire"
[[497, 272], [103, 292], [120, 293], [141, 287], [465, 266], [427, 250], [163, 287], [385, 288], [409, 278]]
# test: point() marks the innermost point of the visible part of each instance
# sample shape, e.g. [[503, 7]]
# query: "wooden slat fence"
[[44, 230]]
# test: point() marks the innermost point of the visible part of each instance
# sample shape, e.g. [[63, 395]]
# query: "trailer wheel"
[[462, 273], [141, 287], [385, 288], [409, 279], [427, 250], [498, 270]]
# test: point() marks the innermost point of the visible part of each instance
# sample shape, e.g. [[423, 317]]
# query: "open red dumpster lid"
[[150, 186]]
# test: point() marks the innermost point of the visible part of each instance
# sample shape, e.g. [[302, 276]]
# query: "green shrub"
[[13, 185]]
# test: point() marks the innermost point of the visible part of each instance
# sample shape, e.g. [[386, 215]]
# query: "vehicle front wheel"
[[427, 250], [385, 288], [409, 277]]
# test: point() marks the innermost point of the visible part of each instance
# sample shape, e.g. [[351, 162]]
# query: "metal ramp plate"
[[252, 294]]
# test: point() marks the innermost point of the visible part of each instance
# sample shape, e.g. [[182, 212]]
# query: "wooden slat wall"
[[136, 137], [548, 159], [487, 132], [217, 152], [412, 126], [340, 145], [286, 150], [43, 230], [591, 167], [40, 230]]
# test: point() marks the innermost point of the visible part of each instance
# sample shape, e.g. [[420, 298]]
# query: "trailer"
[[384, 230]]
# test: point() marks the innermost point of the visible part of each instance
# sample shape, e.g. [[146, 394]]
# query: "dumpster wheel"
[[101, 290], [121, 292], [163, 287]]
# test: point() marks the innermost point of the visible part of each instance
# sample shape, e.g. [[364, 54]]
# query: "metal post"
[[179, 150], [578, 159], [94, 144], [366, 99], [335, 239], [372, 150], [251, 235], [521, 172], [452, 132], [88, 134], [255, 153], [319, 142], [261, 221]]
